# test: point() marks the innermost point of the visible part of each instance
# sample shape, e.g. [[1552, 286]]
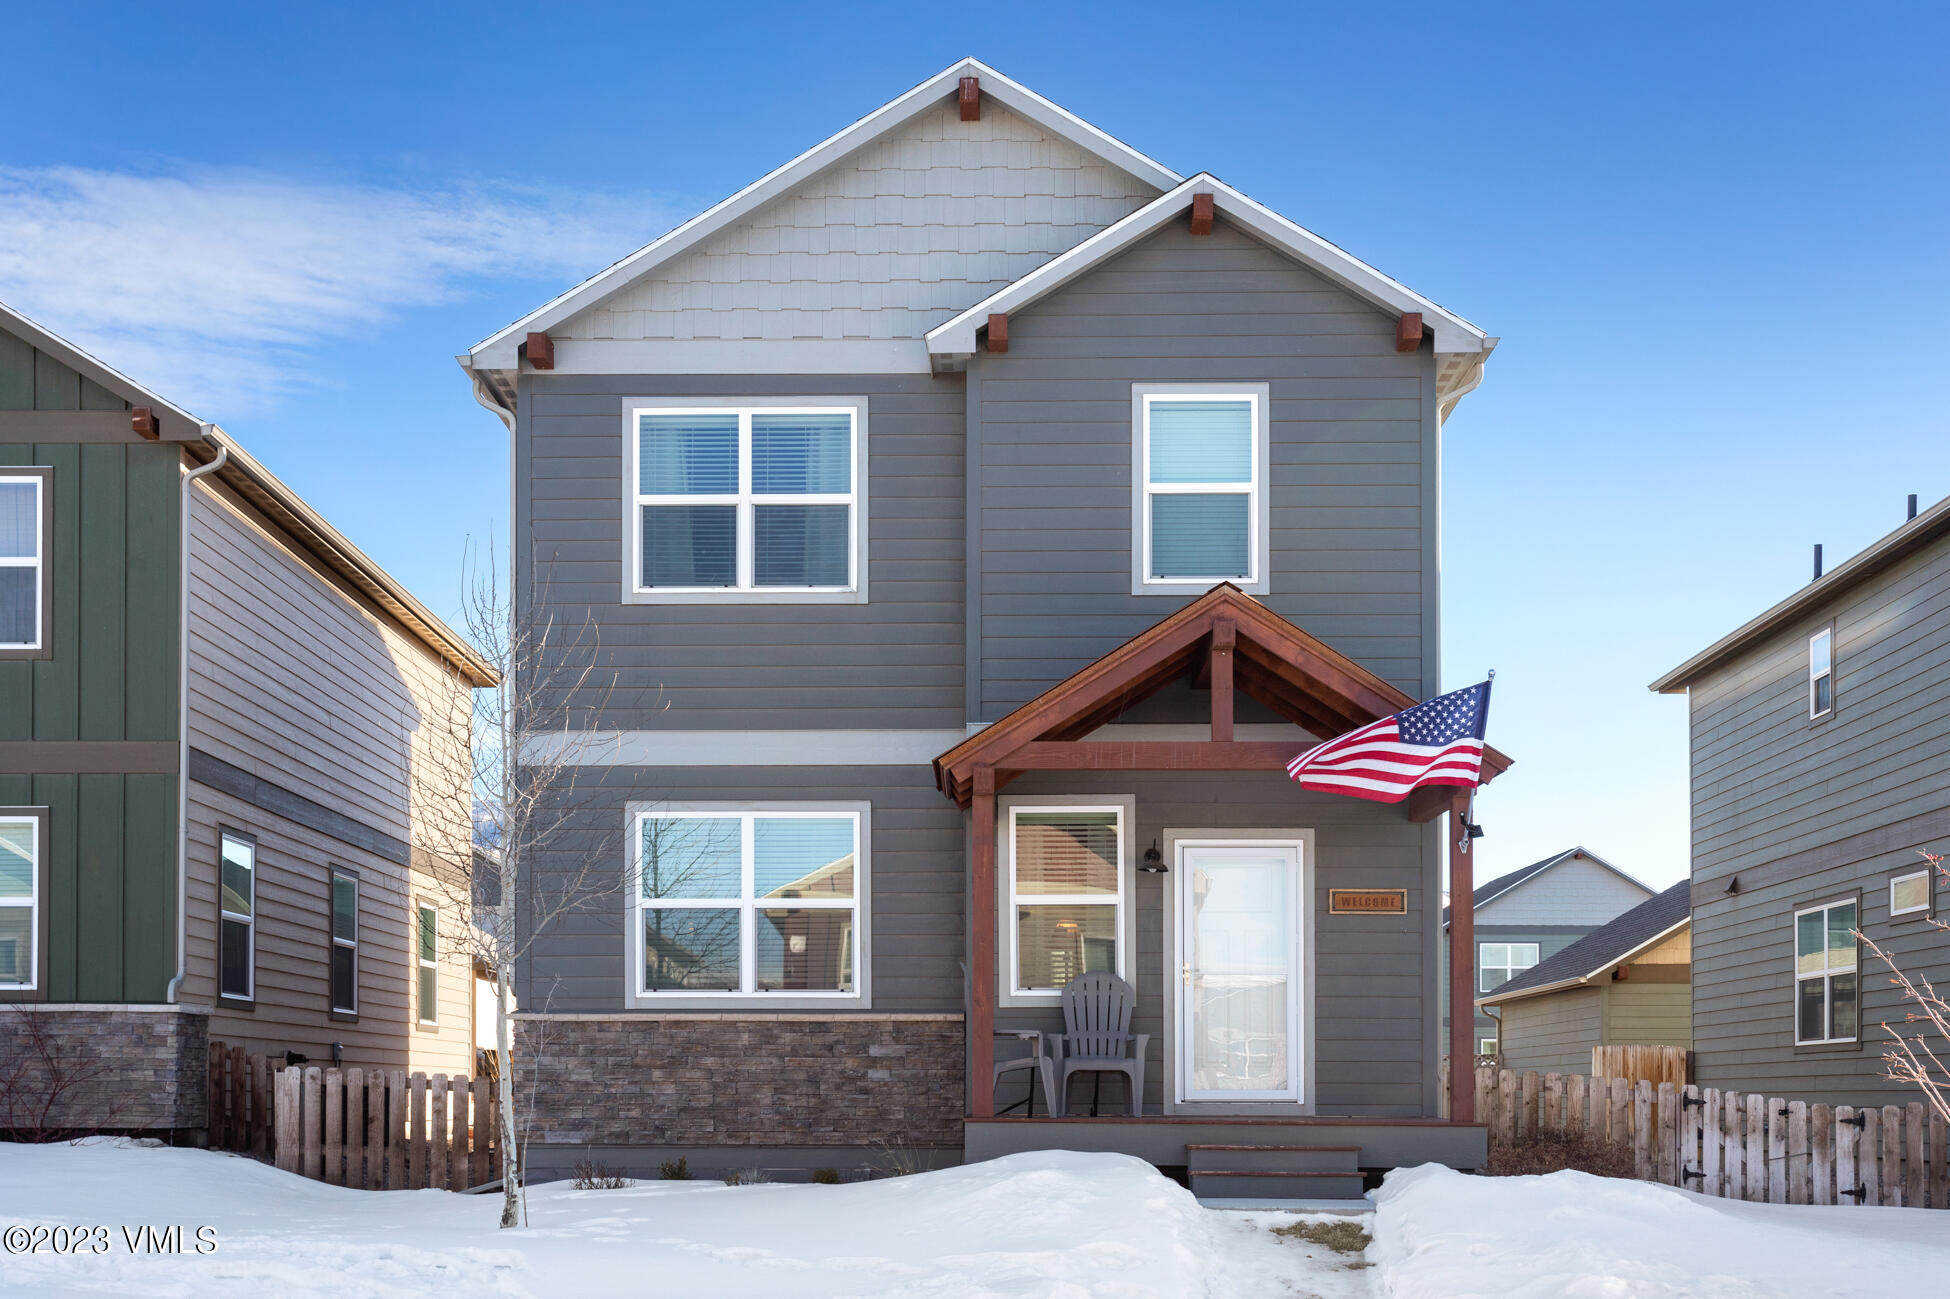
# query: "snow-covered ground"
[[1055, 1224], [1441, 1235]]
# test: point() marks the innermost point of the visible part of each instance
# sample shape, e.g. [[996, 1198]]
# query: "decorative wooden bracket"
[[540, 351], [1201, 214], [971, 99], [998, 332], [142, 420], [1408, 333]]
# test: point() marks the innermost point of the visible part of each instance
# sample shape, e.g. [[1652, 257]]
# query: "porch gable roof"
[[1268, 657]]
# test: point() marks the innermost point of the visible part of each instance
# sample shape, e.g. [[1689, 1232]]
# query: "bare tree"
[[1923, 1038], [500, 812]]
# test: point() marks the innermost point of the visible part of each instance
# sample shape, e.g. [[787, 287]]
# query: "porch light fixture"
[[1154, 861]]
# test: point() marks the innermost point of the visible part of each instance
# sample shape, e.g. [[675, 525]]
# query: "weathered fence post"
[[334, 1174], [1757, 1148], [396, 1130], [1939, 1162], [288, 1110], [1865, 1157], [1643, 1166], [1892, 1156], [313, 1120], [1711, 1166], [1732, 1138], [1798, 1181], [1821, 1154], [1915, 1184], [416, 1111], [1668, 1135], [1777, 1171]]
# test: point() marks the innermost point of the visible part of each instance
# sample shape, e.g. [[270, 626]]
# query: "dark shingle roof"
[[1608, 943], [1502, 884]]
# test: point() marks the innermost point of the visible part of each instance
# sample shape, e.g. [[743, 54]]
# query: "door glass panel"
[[1240, 942]]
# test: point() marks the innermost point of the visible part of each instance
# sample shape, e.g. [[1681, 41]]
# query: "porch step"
[[1267, 1184], [1275, 1159]]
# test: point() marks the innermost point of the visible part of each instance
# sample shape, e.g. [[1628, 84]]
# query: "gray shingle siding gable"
[[1352, 477], [1769, 784]]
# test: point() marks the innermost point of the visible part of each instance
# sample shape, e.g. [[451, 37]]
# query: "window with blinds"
[[1202, 488], [762, 500]]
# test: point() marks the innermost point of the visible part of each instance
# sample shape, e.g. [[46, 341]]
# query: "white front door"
[[1239, 947]]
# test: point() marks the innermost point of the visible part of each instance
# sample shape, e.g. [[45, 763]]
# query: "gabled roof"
[[1297, 676], [1462, 345], [1603, 949], [498, 351], [251, 480], [1893, 548], [1485, 894]]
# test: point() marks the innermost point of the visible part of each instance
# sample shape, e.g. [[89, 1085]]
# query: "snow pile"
[[1052, 1224], [1441, 1235]]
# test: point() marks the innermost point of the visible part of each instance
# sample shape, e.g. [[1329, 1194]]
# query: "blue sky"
[[1711, 238]]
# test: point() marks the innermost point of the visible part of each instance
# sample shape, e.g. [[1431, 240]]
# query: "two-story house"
[[227, 740], [1535, 912], [976, 515], [1820, 775]]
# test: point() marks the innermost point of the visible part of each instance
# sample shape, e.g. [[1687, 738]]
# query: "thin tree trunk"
[[505, 1084]]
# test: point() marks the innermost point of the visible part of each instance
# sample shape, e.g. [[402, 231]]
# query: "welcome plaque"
[[1368, 902]]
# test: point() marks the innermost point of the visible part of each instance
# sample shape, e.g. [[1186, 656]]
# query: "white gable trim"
[[954, 341], [498, 351]]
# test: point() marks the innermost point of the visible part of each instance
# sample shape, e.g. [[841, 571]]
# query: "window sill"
[[783, 1002], [343, 1016], [1181, 589], [25, 652], [732, 595], [230, 1001], [1827, 1048]]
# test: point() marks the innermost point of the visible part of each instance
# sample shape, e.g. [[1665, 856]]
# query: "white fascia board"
[[741, 356], [498, 351], [1452, 333]]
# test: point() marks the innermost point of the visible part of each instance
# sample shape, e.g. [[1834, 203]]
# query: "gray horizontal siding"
[[1554, 1032], [896, 661], [1352, 428]]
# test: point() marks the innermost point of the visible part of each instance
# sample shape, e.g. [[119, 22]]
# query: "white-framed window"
[[426, 964], [1200, 506], [1067, 886], [1827, 990], [1498, 963], [20, 901], [1912, 893], [760, 500], [345, 942], [760, 902], [23, 561], [1821, 673], [1485, 1046], [237, 916]]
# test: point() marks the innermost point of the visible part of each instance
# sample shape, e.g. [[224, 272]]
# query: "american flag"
[[1435, 743]]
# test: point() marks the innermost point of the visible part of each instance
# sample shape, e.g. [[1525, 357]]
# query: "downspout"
[[183, 715]]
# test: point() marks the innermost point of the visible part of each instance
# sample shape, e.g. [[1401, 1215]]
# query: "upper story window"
[[763, 902], [1912, 893], [760, 502], [237, 917], [21, 851], [24, 534], [426, 965], [345, 942], [1498, 963], [1827, 994], [1821, 673], [1200, 500]]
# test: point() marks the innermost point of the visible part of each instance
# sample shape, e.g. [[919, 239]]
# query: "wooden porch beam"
[[1462, 964], [1221, 659], [1151, 755], [981, 944]]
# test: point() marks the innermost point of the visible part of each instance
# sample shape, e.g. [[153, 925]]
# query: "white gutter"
[[183, 715]]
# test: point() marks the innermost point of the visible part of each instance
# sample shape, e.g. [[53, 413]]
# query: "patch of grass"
[[746, 1177], [1342, 1235], [1551, 1152]]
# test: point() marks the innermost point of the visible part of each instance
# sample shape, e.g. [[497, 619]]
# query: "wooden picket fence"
[[1653, 1064], [1734, 1145], [380, 1129]]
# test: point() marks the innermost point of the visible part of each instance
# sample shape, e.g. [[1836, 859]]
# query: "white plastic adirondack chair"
[[1097, 1036]]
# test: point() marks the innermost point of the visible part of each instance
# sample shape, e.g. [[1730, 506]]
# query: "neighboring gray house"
[[1820, 775], [1531, 914], [975, 508], [1627, 983]]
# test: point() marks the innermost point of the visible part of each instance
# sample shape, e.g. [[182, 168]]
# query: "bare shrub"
[[595, 1175], [1554, 1152], [676, 1170], [894, 1157], [747, 1177], [45, 1085]]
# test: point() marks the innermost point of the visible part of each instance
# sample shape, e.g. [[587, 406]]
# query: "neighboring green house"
[[1529, 915], [216, 763], [1628, 983]]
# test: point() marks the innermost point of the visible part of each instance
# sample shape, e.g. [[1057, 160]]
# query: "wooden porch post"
[[1224, 636], [1462, 966], [981, 944]]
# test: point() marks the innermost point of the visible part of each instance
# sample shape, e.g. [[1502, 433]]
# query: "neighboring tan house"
[[1627, 983], [1530, 915], [1820, 775], [276, 898], [975, 508]]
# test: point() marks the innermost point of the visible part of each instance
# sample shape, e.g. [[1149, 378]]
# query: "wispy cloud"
[[221, 288]]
